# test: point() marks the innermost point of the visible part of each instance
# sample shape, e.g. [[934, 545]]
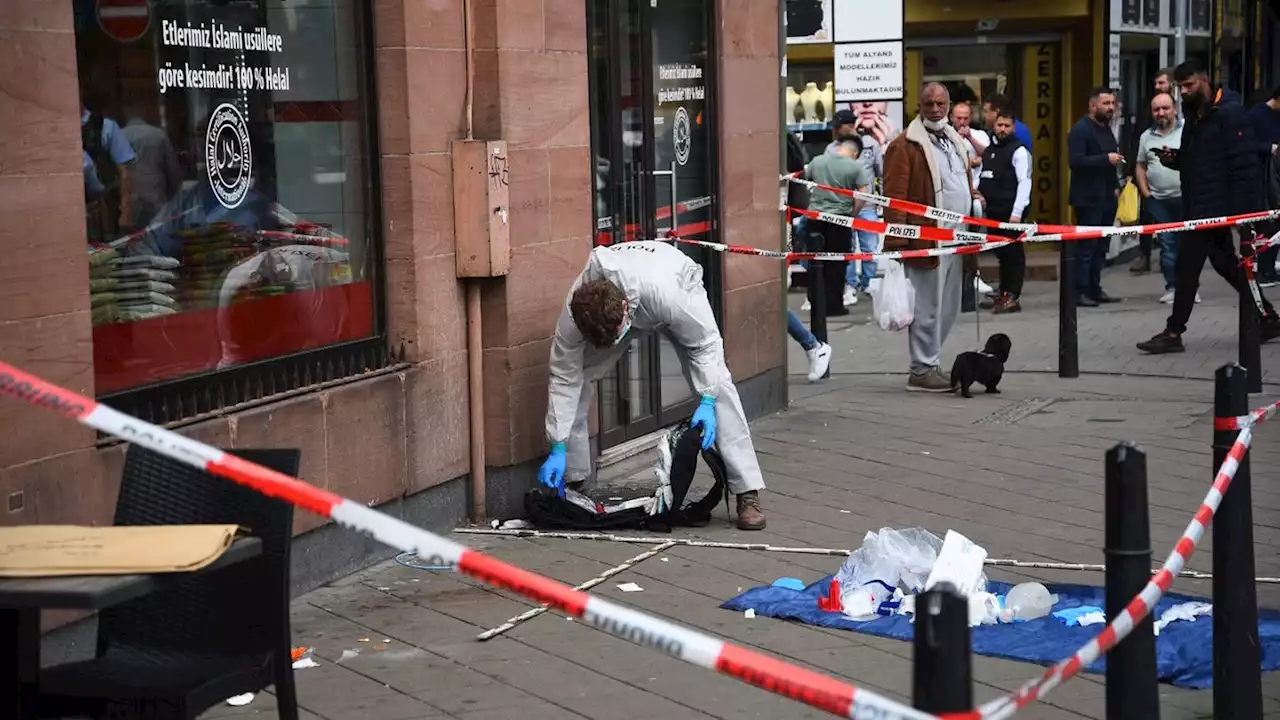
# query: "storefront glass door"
[[653, 134]]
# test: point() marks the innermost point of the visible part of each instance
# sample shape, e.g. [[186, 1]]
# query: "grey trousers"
[[733, 435], [937, 304]]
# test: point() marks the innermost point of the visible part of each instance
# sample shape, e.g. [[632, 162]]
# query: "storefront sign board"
[[869, 71]]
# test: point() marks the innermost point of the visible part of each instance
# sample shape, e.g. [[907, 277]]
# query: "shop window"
[[229, 206]]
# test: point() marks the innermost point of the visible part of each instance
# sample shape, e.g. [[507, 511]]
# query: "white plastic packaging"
[[959, 562], [887, 559], [893, 299]]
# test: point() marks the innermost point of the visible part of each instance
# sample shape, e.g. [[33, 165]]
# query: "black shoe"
[[988, 302], [1268, 279], [1086, 301], [1106, 299], [1165, 342]]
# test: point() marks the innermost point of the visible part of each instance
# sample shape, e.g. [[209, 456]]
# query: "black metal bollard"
[[1237, 677], [1132, 685], [942, 665], [1250, 352], [816, 286], [969, 293], [1068, 342]]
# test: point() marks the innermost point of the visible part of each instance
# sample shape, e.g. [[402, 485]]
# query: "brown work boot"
[[1141, 265], [1006, 304], [750, 516]]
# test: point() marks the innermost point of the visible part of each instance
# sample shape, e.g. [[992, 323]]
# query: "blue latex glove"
[[705, 418], [551, 473]]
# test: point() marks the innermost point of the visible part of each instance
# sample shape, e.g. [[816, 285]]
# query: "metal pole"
[[1237, 679], [1132, 686], [1068, 342], [942, 667], [1180, 15], [1250, 340]]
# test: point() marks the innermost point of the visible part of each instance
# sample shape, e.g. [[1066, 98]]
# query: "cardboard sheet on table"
[[61, 550]]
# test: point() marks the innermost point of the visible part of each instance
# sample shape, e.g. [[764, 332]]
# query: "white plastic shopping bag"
[[887, 561], [893, 299]]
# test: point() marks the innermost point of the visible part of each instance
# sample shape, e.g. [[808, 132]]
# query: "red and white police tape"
[[968, 242], [836, 257], [1056, 232], [819, 691]]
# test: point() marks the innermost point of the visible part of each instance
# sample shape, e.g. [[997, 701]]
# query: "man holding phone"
[[1161, 187], [1220, 171], [1095, 158]]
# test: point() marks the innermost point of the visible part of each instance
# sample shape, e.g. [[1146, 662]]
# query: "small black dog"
[[986, 367]]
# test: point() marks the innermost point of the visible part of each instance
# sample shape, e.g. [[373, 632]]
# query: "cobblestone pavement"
[[1020, 473]]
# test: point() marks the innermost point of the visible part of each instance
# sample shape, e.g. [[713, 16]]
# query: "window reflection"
[[226, 182]]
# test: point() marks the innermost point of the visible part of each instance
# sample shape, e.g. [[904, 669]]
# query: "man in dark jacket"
[[1005, 182], [1094, 155], [1265, 117], [1221, 168]]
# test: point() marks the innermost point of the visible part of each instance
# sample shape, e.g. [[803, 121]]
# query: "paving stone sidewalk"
[[1020, 473]]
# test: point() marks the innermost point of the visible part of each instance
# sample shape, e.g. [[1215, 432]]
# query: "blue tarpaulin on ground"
[[1184, 649]]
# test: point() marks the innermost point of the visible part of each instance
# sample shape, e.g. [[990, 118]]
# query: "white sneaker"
[[1167, 298], [819, 361], [807, 306], [850, 296], [981, 286]]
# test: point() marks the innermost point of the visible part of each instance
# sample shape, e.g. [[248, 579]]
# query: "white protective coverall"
[[664, 294]]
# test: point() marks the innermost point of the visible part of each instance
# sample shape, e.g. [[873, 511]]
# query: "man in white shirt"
[[977, 140], [1161, 187], [1005, 182]]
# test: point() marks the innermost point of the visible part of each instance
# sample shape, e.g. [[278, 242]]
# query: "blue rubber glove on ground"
[[551, 473], [705, 417]]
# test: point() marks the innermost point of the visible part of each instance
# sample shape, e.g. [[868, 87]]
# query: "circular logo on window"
[[228, 155], [681, 135]]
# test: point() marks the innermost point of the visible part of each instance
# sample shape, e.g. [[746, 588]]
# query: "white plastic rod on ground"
[[535, 612], [836, 552]]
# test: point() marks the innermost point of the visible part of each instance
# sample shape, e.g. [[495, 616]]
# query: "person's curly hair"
[[598, 308]]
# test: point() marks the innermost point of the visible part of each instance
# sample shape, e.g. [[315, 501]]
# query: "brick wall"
[[749, 167]]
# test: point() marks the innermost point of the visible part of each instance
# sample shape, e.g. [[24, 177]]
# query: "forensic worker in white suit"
[[626, 290]]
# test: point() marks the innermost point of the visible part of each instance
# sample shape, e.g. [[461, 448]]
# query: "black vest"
[[999, 181]]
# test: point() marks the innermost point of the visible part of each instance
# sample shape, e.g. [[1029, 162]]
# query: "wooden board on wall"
[[1041, 92]]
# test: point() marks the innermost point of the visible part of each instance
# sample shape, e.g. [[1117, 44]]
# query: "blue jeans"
[[1091, 255], [1163, 211], [867, 242], [800, 333], [800, 237]]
